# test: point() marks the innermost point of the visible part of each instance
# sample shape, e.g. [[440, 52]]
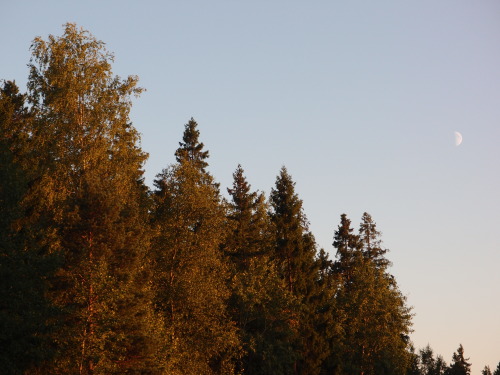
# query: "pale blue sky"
[[358, 99]]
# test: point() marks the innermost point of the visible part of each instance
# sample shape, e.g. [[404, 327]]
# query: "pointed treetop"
[[240, 192], [191, 150], [284, 199], [370, 241]]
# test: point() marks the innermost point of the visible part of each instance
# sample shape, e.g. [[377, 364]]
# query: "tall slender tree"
[[371, 242], [371, 310], [26, 315], [296, 256], [190, 275], [89, 193], [259, 303]]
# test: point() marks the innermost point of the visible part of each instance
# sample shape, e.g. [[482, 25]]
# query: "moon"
[[458, 139]]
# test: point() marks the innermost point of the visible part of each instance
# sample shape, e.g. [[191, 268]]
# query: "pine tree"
[[190, 276], [296, 256], [89, 194], [459, 364], [486, 371], [259, 304]]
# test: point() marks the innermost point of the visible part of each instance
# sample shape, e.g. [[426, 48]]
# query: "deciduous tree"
[[89, 192]]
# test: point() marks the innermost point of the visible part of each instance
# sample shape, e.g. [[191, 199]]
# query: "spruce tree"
[[259, 303], [459, 364], [486, 371], [371, 243], [190, 275], [26, 316], [89, 193], [497, 370], [371, 310], [296, 256]]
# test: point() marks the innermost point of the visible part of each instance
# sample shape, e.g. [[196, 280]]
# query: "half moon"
[[458, 139]]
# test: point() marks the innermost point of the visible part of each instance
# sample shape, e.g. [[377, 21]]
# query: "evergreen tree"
[[414, 362], [459, 364], [486, 371], [190, 276], [25, 312], [259, 304], [497, 370], [372, 311], [88, 193], [191, 149], [295, 254], [431, 365], [371, 243]]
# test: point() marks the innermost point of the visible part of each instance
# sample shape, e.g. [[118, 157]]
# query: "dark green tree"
[[88, 192], [260, 304], [431, 365], [190, 275], [497, 370], [26, 316], [296, 257], [486, 371], [459, 364]]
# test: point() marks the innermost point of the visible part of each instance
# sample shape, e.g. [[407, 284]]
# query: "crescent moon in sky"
[[458, 139]]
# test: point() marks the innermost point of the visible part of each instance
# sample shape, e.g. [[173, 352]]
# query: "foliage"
[[87, 195], [100, 275], [459, 364], [370, 308], [190, 275], [260, 304]]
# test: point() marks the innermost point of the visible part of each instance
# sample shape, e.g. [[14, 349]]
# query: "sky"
[[359, 100]]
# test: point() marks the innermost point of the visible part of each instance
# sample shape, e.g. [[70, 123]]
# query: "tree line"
[[102, 275]]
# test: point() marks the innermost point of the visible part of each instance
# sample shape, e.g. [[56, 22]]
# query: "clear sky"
[[358, 99]]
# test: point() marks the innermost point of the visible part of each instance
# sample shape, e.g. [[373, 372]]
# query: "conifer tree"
[[431, 365], [371, 310], [88, 192], [459, 364], [25, 312], [259, 304], [371, 243], [497, 370], [190, 276], [486, 371], [296, 256]]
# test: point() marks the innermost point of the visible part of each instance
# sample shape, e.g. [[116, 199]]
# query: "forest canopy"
[[101, 274]]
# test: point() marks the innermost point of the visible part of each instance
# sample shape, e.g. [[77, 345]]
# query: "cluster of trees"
[[101, 275], [426, 363]]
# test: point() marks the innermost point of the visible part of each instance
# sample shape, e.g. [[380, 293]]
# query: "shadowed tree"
[[497, 370], [26, 316], [259, 304], [296, 257], [459, 364]]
